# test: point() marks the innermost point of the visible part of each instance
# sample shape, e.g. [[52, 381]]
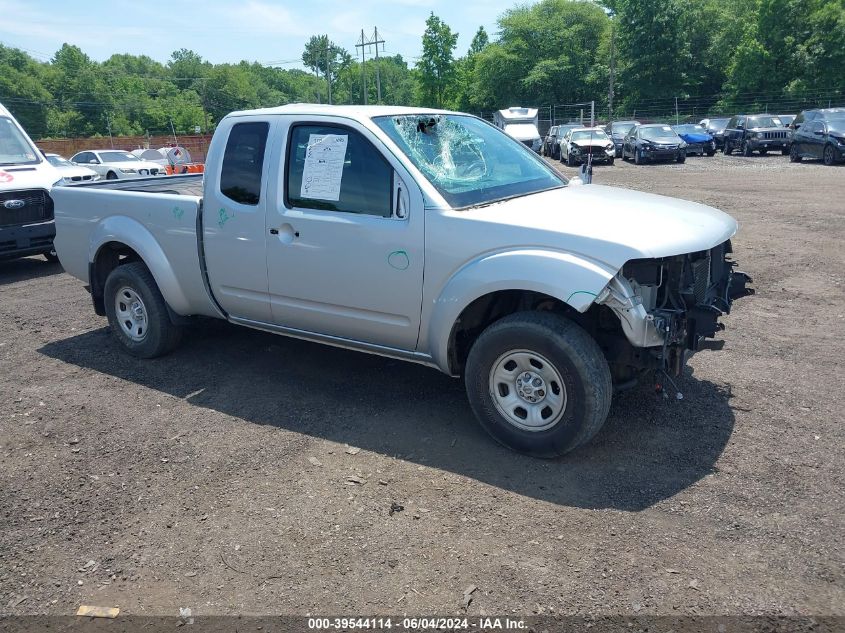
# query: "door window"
[[243, 162], [334, 168]]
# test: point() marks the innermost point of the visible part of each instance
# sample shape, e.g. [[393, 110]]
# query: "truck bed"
[[189, 185], [155, 217]]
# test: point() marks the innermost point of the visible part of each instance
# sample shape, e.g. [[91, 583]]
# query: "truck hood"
[[41, 176], [608, 224]]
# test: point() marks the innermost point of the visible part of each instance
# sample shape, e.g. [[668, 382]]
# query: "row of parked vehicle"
[[817, 134]]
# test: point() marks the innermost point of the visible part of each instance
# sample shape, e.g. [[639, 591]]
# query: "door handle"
[[285, 232]]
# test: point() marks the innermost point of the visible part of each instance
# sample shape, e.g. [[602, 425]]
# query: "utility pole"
[[677, 116], [364, 44], [377, 41], [361, 45], [592, 114]]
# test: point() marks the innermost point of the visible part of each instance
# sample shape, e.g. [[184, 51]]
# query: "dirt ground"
[[217, 478]]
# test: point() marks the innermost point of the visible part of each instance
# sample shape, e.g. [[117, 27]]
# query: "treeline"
[[551, 52]]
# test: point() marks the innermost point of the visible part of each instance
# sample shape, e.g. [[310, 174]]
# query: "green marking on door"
[[399, 260], [223, 217], [178, 212]]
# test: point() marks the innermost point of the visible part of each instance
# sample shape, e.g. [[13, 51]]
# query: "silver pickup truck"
[[423, 235]]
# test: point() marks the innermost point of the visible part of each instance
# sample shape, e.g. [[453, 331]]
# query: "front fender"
[[570, 278], [125, 230]]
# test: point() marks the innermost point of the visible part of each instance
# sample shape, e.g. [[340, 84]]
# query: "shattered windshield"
[[468, 161]]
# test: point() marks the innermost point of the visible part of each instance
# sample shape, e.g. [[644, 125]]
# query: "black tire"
[[794, 156], [611, 161], [111, 176], [51, 256], [785, 151], [746, 149], [160, 335], [638, 157], [763, 152], [571, 352], [682, 157], [828, 156], [711, 152], [727, 149]]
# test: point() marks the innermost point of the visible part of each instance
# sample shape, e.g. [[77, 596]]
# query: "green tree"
[[436, 68], [550, 52]]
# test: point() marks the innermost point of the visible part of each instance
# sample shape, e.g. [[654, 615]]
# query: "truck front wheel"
[[538, 383], [137, 312]]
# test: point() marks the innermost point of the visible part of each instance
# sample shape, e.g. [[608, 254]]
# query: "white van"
[[26, 209]]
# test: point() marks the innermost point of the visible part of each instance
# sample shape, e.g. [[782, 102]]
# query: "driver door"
[[345, 251]]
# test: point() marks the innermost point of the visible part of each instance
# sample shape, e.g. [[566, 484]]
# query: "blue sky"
[[229, 31]]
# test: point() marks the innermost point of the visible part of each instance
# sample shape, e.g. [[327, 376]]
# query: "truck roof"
[[349, 111]]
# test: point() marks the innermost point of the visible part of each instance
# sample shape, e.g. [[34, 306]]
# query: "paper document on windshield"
[[323, 169]]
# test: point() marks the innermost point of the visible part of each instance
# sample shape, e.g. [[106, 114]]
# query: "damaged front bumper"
[[672, 305]]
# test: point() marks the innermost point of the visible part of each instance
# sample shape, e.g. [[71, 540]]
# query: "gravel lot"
[[217, 478]]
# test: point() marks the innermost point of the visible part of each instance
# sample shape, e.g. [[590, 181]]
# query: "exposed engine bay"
[[670, 306]]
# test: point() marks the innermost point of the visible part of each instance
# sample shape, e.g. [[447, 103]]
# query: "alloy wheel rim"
[[131, 313], [527, 390]]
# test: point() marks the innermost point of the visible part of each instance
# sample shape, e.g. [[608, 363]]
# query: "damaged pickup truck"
[[423, 235]]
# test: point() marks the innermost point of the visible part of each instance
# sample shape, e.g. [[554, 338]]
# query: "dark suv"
[[748, 133], [814, 115], [820, 138]]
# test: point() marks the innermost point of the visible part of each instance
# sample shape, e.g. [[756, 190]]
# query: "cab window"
[[243, 162], [334, 168]]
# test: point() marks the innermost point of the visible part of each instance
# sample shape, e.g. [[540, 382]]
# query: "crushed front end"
[[668, 308]]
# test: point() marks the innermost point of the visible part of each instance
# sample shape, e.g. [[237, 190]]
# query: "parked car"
[[645, 143], [26, 208], [716, 129], [69, 172], [697, 139], [580, 143], [113, 164], [617, 132], [551, 143], [820, 138], [815, 114], [749, 133], [561, 132], [539, 310]]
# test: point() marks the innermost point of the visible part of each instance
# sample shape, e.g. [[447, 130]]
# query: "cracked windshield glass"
[[468, 161]]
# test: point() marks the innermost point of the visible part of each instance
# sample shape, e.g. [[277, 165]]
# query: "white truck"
[[26, 208], [520, 123], [424, 235]]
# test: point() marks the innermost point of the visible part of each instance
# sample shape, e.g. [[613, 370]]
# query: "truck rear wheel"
[[538, 383], [137, 312]]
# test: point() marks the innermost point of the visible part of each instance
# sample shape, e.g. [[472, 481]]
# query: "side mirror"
[[818, 132], [93, 161]]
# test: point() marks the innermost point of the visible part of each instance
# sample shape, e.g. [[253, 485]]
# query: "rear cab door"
[[235, 203]]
